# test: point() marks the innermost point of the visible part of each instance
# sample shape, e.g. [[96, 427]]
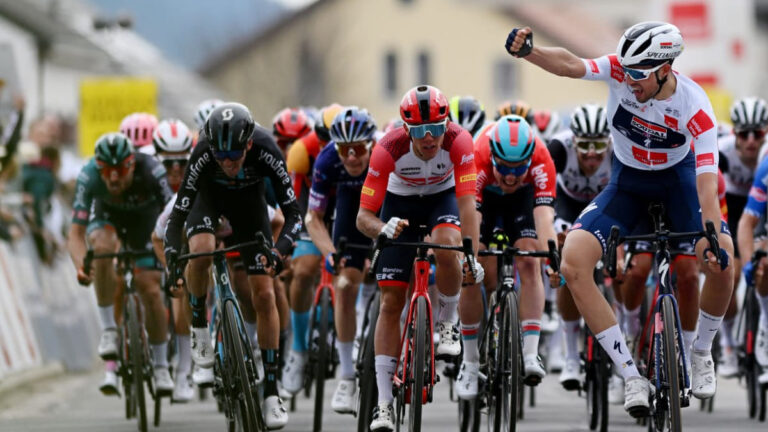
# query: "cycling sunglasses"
[[757, 133], [122, 169], [640, 74], [434, 129], [586, 146], [170, 163], [346, 150], [507, 170], [233, 155]]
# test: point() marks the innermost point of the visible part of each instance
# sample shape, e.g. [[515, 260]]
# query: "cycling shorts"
[[304, 246], [133, 228], [246, 211], [624, 202], [438, 210], [345, 225], [567, 210], [511, 212]]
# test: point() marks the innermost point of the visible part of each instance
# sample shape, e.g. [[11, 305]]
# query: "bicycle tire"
[[246, 410], [417, 365], [323, 354], [592, 386], [507, 377], [137, 361], [604, 374], [670, 370], [368, 395], [469, 415], [751, 369]]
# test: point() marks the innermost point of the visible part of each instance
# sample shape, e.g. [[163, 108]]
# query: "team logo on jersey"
[[646, 133], [648, 157], [540, 176], [705, 159], [467, 158], [368, 191], [593, 66], [758, 194], [700, 123], [670, 121], [649, 128], [467, 178]]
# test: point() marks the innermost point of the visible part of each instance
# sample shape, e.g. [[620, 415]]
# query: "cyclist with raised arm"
[[119, 195], [515, 191], [225, 176], [423, 174], [738, 161], [655, 116], [341, 168], [582, 157], [306, 258]]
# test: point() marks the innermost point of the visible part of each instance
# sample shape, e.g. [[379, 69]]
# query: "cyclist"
[[225, 177], [139, 127], [582, 158], [424, 174], [750, 218], [341, 167], [547, 124], [515, 191], [306, 258], [204, 109], [654, 115], [118, 196], [738, 161], [468, 113], [289, 125], [518, 107]]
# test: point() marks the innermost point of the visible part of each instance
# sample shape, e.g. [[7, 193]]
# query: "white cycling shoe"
[[467, 381], [383, 418], [163, 383], [184, 391], [570, 376], [275, 415], [615, 390], [202, 349], [108, 344], [344, 398], [109, 387], [534, 370], [637, 391], [449, 344], [703, 379], [202, 377], [293, 372]]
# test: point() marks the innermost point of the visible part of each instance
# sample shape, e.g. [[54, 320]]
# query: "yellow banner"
[[104, 103]]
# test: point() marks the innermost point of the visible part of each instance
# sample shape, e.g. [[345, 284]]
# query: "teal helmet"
[[113, 149], [512, 139]]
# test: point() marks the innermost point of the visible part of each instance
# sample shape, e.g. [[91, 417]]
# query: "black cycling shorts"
[[511, 212], [134, 229], [345, 225]]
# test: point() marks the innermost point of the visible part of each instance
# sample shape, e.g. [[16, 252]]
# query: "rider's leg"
[[305, 270], [387, 339], [448, 278], [267, 327], [572, 321], [714, 296], [156, 323], [346, 293], [687, 270], [104, 240], [633, 293], [531, 296]]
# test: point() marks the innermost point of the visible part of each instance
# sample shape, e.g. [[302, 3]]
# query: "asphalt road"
[[73, 403]]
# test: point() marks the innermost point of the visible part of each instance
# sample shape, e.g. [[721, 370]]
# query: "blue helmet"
[[512, 139], [352, 124]]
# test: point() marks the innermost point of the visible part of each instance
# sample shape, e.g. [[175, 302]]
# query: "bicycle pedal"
[[685, 401]]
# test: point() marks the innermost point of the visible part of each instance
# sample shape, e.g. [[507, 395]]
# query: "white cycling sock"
[[448, 308], [160, 355], [763, 300], [708, 325], [470, 335], [385, 370], [107, 315], [185, 355], [531, 332], [726, 333], [346, 363], [613, 343], [572, 332]]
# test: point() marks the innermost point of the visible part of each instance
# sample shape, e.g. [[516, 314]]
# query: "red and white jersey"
[[395, 168], [657, 134], [541, 174]]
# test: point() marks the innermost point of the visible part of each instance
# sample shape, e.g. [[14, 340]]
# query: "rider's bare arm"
[[558, 61], [318, 232], [368, 223], [76, 244]]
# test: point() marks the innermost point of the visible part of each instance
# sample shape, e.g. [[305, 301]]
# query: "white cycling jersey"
[[570, 178], [738, 177], [657, 134]]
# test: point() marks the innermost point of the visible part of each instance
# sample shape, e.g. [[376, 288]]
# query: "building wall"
[[350, 39], [25, 53]]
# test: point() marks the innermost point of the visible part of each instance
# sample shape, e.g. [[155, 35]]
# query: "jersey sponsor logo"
[[670, 121], [277, 166], [646, 133], [705, 159], [195, 170], [540, 176], [368, 191], [467, 178], [617, 72], [593, 66], [632, 104], [700, 123], [80, 196], [373, 172], [586, 210], [648, 157], [467, 158], [758, 194], [185, 202], [410, 170]]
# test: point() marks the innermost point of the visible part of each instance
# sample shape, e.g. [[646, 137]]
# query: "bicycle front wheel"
[[322, 317], [506, 374], [137, 360], [418, 366], [247, 414], [368, 394], [670, 371]]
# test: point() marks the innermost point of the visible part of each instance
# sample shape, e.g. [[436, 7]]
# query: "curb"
[[29, 376]]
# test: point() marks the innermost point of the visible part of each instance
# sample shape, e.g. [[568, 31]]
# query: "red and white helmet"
[[139, 127], [424, 104], [172, 136]]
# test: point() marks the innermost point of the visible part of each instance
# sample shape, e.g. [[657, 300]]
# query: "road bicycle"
[[749, 368]]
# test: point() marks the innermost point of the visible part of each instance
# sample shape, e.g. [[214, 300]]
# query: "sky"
[[191, 31]]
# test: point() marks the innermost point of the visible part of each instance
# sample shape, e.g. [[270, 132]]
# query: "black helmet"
[[467, 112], [229, 127]]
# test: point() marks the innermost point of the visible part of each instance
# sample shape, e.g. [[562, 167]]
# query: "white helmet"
[[749, 113], [172, 136], [649, 43], [204, 109], [590, 121]]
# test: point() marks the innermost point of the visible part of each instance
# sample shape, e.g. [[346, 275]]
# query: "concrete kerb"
[[26, 377]]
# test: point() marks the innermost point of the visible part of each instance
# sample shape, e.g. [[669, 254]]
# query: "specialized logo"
[[587, 209], [617, 346]]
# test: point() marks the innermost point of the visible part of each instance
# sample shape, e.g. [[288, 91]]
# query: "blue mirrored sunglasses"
[[515, 171], [434, 129], [232, 155], [640, 74]]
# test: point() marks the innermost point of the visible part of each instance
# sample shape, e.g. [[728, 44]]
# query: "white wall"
[[26, 56]]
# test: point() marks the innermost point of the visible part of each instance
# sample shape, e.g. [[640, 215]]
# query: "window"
[[312, 87], [390, 74], [505, 79], [423, 68]]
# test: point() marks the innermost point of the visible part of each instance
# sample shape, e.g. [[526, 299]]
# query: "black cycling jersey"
[[263, 160]]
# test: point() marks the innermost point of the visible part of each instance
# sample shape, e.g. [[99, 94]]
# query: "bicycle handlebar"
[[383, 242], [90, 256], [260, 244], [341, 248], [552, 253]]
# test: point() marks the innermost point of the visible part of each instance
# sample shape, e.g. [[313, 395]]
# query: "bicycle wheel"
[[670, 367], [137, 361], [418, 366], [469, 415], [247, 413], [591, 384], [368, 394], [751, 368], [507, 379], [603, 376], [322, 318]]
